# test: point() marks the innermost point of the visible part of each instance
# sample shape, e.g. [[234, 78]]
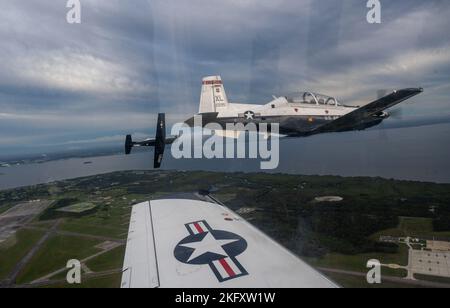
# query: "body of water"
[[417, 153]]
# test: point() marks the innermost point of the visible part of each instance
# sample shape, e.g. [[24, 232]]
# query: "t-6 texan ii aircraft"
[[302, 115]]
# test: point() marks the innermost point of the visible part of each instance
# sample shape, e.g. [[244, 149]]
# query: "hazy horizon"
[[413, 153]]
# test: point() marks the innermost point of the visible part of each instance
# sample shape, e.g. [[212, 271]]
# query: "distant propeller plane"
[[302, 115]]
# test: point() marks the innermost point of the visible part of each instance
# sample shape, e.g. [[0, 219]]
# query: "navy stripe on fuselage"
[[288, 124]]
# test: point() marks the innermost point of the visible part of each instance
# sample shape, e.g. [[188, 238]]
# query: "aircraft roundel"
[[216, 248], [249, 115]]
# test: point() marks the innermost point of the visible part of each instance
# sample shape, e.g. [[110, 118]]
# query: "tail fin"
[[213, 97]]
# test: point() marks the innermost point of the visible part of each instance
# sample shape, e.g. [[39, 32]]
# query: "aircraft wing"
[[195, 244], [357, 119]]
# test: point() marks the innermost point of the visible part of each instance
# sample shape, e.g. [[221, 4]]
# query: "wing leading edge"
[[188, 243], [363, 116]]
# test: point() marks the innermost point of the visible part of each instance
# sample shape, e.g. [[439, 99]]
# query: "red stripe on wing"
[[227, 268], [198, 227]]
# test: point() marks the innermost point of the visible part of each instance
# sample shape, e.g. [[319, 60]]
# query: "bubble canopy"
[[312, 98]]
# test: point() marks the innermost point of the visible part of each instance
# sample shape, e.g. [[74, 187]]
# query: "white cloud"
[[410, 69], [125, 121], [75, 71]]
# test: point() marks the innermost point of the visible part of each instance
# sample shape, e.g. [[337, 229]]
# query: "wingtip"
[[410, 90], [418, 90]]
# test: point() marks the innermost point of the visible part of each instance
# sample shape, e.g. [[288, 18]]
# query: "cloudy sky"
[[70, 86]]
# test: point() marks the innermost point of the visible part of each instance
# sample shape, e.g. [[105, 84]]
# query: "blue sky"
[[72, 86]]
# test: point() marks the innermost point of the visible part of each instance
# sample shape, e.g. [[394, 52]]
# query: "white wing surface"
[[194, 244]]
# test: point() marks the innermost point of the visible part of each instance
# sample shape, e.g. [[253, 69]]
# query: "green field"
[[78, 208], [107, 282], [45, 225], [109, 261], [94, 229], [413, 227], [348, 281], [358, 262], [15, 248], [54, 255]]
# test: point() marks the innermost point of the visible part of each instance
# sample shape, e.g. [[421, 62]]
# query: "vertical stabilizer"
[[213, 97]]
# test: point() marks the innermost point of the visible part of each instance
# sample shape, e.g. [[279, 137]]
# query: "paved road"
[[409, 267], [417, 283], [62, 270], [94, 237], [21, 264]]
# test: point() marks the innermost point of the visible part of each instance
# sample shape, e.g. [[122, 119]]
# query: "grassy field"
[[54, 255], [94, 229], [348, 281], [78, 208], [413, 227], [15, 248], [42, 224], [108, 261], [106, 282], [358, 262]]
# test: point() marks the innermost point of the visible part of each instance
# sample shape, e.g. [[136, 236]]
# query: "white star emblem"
[[249, 115], [208, 244]]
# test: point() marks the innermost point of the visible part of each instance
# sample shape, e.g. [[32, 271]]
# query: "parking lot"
[[19, 215], [431, 263]]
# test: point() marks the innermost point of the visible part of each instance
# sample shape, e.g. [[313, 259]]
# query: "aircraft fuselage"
[[294, 118]]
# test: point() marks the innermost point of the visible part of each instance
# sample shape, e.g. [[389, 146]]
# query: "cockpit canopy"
[[312, 98]]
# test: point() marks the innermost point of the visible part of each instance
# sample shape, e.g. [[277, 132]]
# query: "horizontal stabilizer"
[[232, 134]]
